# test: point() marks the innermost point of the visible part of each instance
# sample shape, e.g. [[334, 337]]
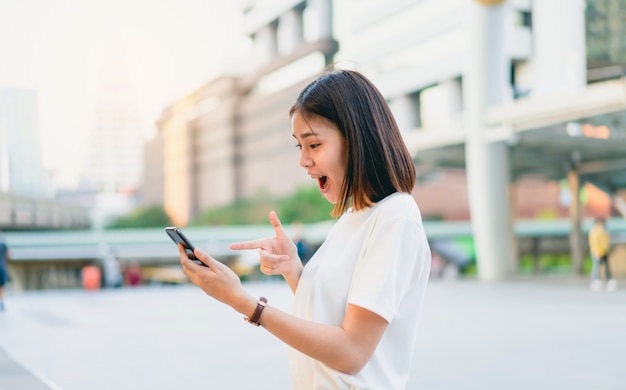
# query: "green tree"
[[143, 217], [305, 205]]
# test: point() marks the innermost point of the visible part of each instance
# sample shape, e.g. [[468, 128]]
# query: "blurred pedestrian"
[[91, 277], [301, 244], [600, 246], [112, 270], [5, 257], [133, 274], [357, 301]]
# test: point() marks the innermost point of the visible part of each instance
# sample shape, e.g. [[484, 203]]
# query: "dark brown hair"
[[379, 163]]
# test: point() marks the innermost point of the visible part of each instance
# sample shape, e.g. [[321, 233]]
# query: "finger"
[[270, 257], [186, 262], [254, 244], [278, 227], [205, 258], [184, 259], [181, 250], [270, 268]]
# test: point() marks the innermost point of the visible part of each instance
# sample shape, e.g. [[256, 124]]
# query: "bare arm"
[[346, 348]]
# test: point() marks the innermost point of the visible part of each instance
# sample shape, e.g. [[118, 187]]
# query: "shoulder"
[[400, 205], [398, 213]]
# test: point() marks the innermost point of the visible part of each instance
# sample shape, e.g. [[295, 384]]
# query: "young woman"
[[358, 299]]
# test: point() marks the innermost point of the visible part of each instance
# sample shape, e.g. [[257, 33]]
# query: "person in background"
[[5, 257], [301, 244], [112, 270], [91, 277], [358, 299], [600, 246]]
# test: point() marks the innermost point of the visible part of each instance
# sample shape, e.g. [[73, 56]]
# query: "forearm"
[[328, 344]]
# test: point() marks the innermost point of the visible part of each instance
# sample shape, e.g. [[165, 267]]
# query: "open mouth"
[[322, 181]]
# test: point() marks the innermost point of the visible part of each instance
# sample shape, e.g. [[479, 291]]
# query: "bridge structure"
[[54, 259], [31, 213]]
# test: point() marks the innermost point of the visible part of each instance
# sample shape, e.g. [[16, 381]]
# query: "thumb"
[[278, 227], [205, 258]]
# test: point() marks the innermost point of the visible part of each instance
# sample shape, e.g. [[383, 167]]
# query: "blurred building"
[[230, 139], [516, 92], [417, 52], [21, 166], [115, 159], [25, 196], [535, 95]]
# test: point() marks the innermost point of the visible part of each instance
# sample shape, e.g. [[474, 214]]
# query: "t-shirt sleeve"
[[390, 263]]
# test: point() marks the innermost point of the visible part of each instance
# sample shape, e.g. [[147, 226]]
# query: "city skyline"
[[58, 51]]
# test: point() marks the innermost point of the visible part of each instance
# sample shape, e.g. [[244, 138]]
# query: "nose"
[[305, 160]]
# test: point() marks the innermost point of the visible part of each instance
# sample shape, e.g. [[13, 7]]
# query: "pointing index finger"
[[278, 227], [254, 244]]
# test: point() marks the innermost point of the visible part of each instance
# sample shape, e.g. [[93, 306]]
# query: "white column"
[[576, 234], [406, 112], [453, 98], [488, 169], [290, 32], [319, 19], [265, 44], [559, 51]]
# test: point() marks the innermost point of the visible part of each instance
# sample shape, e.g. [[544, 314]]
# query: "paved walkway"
[[526, 334]]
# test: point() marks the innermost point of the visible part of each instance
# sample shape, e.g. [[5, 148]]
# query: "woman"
[[358, 299]]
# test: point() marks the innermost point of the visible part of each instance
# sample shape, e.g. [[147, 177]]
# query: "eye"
[[313, 146], [299, 147]]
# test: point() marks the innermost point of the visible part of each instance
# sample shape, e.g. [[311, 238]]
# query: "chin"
[[331, 199]]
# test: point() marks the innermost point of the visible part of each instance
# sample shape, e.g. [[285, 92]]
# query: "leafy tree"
[[143, 217], [305, 205]]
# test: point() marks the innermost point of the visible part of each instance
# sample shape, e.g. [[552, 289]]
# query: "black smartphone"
[[179, 238]]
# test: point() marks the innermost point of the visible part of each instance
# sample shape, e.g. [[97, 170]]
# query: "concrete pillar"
[[323, 19], [576, 238], [488, 170], [559, 51], [453, 96], [290, 31], [405, 109], [265, 44]]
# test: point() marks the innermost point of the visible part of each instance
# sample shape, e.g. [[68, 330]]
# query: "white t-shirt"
[[378, 259]]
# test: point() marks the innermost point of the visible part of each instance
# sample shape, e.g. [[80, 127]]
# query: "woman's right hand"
[[278, 255], [217, 280]]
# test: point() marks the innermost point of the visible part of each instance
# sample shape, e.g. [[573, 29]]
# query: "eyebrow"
[[306, 135]]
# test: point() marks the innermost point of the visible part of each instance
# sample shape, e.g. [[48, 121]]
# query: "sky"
[[57, 48]]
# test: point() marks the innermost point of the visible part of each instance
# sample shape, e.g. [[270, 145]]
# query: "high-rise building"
[[21, 166], [116, 146], [115, 159]]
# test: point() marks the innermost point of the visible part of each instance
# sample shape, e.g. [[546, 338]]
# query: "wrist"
[[245, 304], [255, 318], [295, 270]]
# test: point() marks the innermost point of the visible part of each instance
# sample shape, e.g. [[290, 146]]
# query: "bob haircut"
[[379, 163]]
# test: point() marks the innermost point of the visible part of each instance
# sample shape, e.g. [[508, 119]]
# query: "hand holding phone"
[[179, 238]]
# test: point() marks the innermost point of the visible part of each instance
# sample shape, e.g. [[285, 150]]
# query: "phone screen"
[[179, 238]]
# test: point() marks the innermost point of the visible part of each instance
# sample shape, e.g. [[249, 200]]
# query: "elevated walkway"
[[53, 259], [29, 213]]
